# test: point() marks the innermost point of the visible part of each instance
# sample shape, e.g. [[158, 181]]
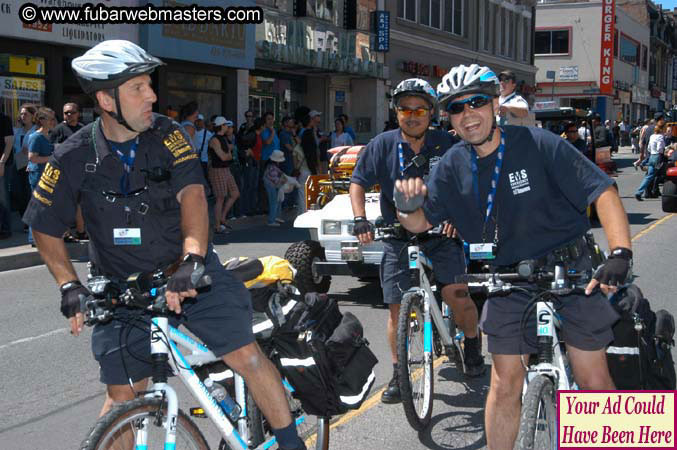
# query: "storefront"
[[35, 60]]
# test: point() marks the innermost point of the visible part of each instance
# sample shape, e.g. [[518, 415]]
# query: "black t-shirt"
[[379, 163], [62, 132], [217, 162], [131, 234], [310, 150], [543, 191]]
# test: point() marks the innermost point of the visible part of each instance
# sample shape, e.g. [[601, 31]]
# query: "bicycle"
[[154, 418], [417, 339], [549, 371]]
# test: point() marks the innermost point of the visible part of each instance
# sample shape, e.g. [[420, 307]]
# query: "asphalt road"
[[50, 393]]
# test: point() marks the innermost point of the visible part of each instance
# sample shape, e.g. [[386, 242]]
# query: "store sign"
[[641, 96], [223, 44], [622, 85], [26, 89], [83, 35], [415, 68], [382, 26], [606, 60], [568, 73]]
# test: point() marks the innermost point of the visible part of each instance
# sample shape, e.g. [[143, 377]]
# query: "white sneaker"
[[274, 224], [280, 221]]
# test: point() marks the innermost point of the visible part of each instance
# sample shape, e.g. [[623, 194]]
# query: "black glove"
[[407, 205], [614, 271], [362, 225], [71, 294], [188, 274]]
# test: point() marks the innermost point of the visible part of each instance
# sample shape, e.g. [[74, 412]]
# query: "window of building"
[[552, 42], [629, 50], [23, 82], [206, 90], [504, 31], [406, 9], [645, 52], [453, 16], [486, 25], [323, 9], [430, 13]]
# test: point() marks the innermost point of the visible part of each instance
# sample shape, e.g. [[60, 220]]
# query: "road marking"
[[652, 226], [372, 401], [33, 338]]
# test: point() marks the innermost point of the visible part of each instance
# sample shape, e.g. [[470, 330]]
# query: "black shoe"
[[392, 394], [639, 197], [474, 362]]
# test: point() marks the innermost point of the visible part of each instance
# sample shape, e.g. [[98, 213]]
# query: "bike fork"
[[159, 333]]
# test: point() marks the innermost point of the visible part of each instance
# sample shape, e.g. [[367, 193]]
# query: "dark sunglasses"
[[476, 101], [70, 113], [504, 79]]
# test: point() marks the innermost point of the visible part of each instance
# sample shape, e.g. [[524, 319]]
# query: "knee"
[[245, 360], [457, 295]]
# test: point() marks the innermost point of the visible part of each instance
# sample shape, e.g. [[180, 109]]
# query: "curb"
[[27, 256]]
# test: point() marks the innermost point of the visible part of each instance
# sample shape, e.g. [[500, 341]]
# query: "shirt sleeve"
[[661, 144], [51, 209], [184, 160], [367, 168], [439, 184], [578, 178]]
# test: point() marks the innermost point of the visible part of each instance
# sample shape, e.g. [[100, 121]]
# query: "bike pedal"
[[198, 412]]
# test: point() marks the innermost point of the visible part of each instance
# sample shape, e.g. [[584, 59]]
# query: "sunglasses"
[[474, 102], [70, 113], [418, 112], [504, 79]]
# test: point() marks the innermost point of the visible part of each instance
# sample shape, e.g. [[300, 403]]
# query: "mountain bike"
[[549, 370], [417, 340], [154, 420]]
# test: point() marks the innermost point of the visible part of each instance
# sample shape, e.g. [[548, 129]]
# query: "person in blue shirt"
[[271, 141], [388, 157], [39, 150], [348, 129], [524, 192]]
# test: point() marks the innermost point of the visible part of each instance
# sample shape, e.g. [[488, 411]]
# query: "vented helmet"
[[416, 87], [111, 63], [463, 80]]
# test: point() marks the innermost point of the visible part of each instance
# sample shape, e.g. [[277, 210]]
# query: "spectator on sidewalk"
[[236, 169], [271, 141], [339, 136], [574, 139], [19, 187], [309, 145], [71, 123], [655, 149], [251, 176], [348, 128], [39, 150], [273, 179], [201, 141], [223, 184], [301, 172], [512, 106], [6, 159], [287, 143], [188, 116]]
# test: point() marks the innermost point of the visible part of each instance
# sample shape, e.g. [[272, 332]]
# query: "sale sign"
[[606, 61]]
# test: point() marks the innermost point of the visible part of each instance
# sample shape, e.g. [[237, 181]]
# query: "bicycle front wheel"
[[415, 363], [119, 428], [538, 424]]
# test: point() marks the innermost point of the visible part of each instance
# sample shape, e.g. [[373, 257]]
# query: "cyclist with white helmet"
[[141, 187], [520, 193], [411, 151]]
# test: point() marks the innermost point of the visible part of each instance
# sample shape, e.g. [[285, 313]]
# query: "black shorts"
[[221, 318], [446, 255], [586, 323]]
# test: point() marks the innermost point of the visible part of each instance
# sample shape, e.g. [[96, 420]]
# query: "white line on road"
[[33, 338]]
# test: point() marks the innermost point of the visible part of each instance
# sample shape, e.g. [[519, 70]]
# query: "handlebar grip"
[[203, 282], [407, 205]]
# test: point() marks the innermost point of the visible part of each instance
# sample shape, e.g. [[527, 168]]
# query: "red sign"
[[415, 68], [606, 60]]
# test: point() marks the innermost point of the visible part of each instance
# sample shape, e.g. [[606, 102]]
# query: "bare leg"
[[218, 208], [464, 309], [590, 369], [229, 204], [393, 318], [119, 393], [502, 413], [263, 381]]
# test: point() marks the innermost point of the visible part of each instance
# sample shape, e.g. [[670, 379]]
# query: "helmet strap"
[[119, 116], [493, 128]]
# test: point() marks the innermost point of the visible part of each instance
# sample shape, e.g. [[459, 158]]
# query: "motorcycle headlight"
[[331, 227]]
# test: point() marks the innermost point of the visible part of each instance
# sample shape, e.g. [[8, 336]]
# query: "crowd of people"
[[258, 167]]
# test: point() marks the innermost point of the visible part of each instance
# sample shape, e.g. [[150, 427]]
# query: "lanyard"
[[494, 178], [127, 163], [400, 153]]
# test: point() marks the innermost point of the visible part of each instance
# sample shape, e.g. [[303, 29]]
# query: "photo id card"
[[127, 236], [482, 251]]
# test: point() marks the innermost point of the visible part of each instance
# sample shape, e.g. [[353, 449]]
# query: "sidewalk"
[[16, 253]]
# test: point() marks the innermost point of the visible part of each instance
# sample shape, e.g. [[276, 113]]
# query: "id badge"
[[127, 236], [482, 251]]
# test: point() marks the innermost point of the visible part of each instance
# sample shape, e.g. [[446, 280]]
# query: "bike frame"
[[181, 366]]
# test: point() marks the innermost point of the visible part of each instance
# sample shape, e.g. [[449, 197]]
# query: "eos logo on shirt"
[[519, 182]]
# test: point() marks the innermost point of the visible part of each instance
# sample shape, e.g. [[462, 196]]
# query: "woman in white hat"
[[273, 179], [222, 181]]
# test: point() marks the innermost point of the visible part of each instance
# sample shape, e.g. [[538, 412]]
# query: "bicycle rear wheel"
[[119, 428], [415, 366], [538, 423]]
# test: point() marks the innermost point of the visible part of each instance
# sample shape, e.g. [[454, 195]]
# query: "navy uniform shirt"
[[379, 163], [544, 189], [128, 234]]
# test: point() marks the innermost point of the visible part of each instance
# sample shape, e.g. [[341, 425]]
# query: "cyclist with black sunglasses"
[[140, 183], [520, 193], [411, 151]]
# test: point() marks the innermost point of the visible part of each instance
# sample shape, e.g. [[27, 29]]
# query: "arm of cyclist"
[[414, 221], [614, 220], [54, 253], [195, 228], [362, 228]]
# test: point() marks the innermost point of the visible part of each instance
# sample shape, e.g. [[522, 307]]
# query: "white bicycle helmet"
[[416, 87], [462, 80], [110, 63]]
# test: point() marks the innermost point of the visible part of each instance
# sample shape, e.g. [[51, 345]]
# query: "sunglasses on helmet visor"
[[476, 101], [418, 112]]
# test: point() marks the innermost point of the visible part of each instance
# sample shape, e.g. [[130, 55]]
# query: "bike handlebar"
[[503, 282], [396, 231]]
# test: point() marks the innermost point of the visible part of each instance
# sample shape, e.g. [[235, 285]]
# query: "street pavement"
[[49, 382]]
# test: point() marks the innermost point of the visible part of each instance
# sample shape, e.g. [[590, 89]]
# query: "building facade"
[[429, 37]]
